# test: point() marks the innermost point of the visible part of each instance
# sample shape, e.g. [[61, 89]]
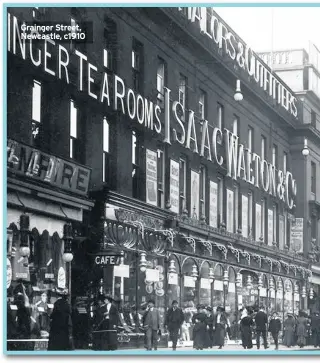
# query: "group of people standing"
[[295, 330]]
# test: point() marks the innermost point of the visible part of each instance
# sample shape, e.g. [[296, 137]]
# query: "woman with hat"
[[60, 336], [107, 328], [200, 328], [221, 324], [210, 323], [302, 329], [246, 324]]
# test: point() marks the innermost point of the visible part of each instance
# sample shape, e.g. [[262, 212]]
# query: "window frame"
[[72, 138], [203, 190], [182, 186], [161, 177], [106, 153]]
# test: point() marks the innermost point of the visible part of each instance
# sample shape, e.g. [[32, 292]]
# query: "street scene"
[[163, 186]]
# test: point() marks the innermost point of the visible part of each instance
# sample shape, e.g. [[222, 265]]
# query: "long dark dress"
[[60, 326], [106, 332], [289, 330], [302, 333], [199, 330], [210, 325], [246, 324], [220, 331]]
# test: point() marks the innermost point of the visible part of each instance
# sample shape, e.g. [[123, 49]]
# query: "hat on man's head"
[[174, 302], [220, 308], [209, 308], [151, 301], [101, 297], [61, 291]]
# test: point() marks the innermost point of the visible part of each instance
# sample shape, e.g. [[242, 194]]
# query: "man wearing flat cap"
[[173, 322]]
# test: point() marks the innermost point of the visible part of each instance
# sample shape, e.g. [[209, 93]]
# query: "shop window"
[[36, 113], [263, 148], [220, 201], [161, 178], [218, 293], [263, 218], [203, 188], [73, 129], [250, 214], [230, 302], [106, 155], [235, 125], [161, 74], [183, 184], [285, 160], [250, 139], [183, 93], [237, 207], [202, 105], [135, 165], [205, 285], [110, 51], [220, 117], [313, 177], [190, 275], [137, 65], [275, 156], [275, 223]]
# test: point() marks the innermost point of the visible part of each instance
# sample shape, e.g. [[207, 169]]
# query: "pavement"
[[230, 348]]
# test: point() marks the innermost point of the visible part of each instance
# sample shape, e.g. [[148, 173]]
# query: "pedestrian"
[[246, 324], [97, 319], [151, 324], [274, 328], [261, 322], [221, 324], [289, 327], [109, 324], [60, 336], [210, 326], [302, 329], [200, 328], [174, 320], [315, 329]]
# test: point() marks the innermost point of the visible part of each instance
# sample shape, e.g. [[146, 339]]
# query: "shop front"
[[161, 262], [41, 220]]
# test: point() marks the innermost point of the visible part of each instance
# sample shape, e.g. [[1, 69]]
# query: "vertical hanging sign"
[[230, 211], [174, 186], [194, 212], [270, 227], [151, 177], [213, 217], [244, 213], [296, 235]]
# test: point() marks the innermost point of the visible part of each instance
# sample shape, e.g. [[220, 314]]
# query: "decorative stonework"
[[123, 215]]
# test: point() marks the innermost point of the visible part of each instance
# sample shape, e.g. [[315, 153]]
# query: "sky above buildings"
[[293, 28]]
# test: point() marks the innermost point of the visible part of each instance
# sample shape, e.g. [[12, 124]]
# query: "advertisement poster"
[[174, 186], [296, 235], [258, 222], [213, 217], [195, 199], [230, 211], [270, 227], [151, 177], [245, 210]]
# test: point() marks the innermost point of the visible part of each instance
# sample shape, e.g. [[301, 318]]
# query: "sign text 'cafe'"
[[241, 163]]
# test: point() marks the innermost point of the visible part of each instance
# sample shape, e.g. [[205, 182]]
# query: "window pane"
[[73, 120], [134, 147], [71, 148], [106, 58], [105, 135], [36, 101]]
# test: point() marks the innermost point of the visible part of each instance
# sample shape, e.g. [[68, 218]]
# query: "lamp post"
[[225, 286], [67, 254], [24, 235]]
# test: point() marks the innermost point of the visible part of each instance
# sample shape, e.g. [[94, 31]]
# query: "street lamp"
[[67, 237], [143, 262], [305, 151], [194, 272], [238, 279], [24, 235], [225, 278], [172, 267], [211, 275], [238, 96]]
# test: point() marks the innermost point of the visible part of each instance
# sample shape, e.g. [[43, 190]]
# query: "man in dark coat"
[[151, 324], [315, 329], [261, 320], [60, 336], [274, 328], [173, 322], [210, 325]]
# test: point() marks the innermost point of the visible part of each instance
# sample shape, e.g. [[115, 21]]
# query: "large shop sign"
[[35, 164], [241, 162], [243, 55]]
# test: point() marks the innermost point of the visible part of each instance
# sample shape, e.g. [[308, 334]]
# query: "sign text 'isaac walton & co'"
[[241, 163]]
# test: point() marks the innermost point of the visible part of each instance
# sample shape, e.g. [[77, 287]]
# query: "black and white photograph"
[[162, 180]]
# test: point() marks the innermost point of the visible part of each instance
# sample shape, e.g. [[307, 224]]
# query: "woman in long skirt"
[[302, 329], [289, 327], [220, 325], [199, 329], [246, 324]]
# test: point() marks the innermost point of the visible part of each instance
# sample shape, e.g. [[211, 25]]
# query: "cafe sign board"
[[107, 260]]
